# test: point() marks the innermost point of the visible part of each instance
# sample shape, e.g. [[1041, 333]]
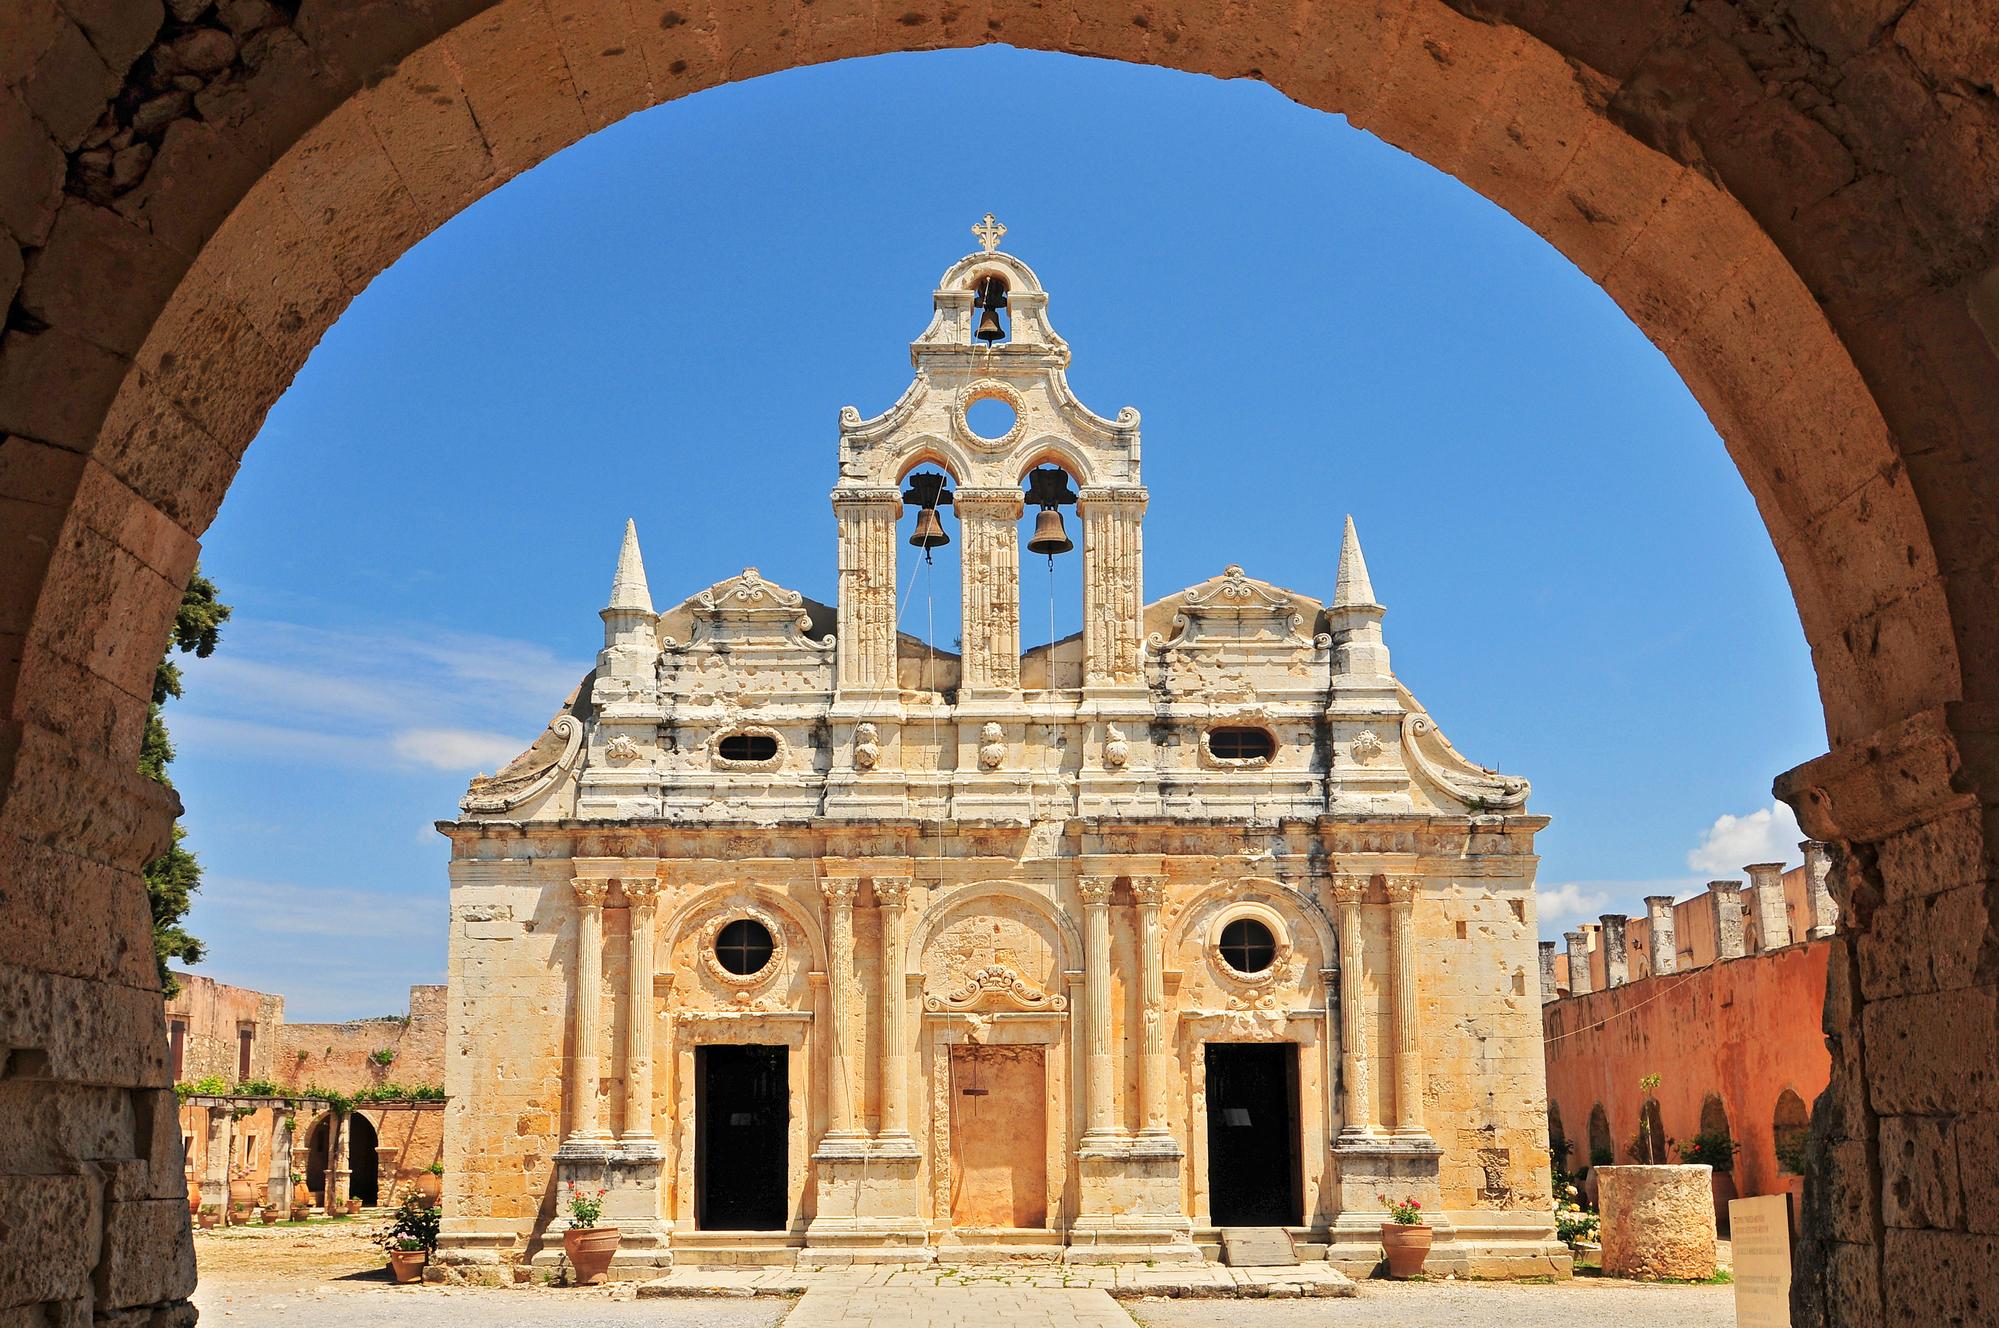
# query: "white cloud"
[[1571, 901], [1732, 842], [457, 749]]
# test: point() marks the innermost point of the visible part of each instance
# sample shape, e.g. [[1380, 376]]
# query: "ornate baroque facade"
[[808, 941]]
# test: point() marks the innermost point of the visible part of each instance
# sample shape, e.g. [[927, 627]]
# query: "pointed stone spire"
[[1354, 616], [1352, 589], [628, 584]]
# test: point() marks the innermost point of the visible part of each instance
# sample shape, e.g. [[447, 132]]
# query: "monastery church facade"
[[807, 941]]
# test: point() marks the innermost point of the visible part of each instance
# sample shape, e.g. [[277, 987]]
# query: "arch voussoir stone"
[[1798, 203]]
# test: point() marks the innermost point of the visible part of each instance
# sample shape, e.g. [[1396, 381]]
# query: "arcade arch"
[[1830, 296]]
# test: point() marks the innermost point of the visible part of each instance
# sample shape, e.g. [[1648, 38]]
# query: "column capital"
[[1403, 889], [867, 498], [892, 891], [590, 892], [641, 893], [838, 891], [1349, 888], [1008, 502], [1131, 495], [1095, 890], [1148, 891]]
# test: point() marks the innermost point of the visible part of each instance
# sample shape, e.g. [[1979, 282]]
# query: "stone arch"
[[1740, 183], [1602, 1149], [1790, 1126], [1714, 1117], [1287, 898], [968, 899], [364, 1160], [702, 901], [942, 453], [1558, 1142], [1648, 1140], [1050, 450]]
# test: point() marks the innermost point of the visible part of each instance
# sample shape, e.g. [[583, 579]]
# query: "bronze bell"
[[990, 298], [929, 533], [989, 329], [1049, 535]]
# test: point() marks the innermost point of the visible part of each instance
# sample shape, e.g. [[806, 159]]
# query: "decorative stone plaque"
[[1257, 1247], [1761, 1231]]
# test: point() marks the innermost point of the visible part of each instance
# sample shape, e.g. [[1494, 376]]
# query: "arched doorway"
[[1829, 296], [1790, 1126], [1558, 1143], [363, 1160], [1602, 1152], [1648, 1142], [318, 1144]]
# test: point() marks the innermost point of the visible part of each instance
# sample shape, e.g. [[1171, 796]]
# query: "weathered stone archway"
[[1798, 202]]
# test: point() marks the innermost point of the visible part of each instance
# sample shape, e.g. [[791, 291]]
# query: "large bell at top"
[[1050, 537], [990, 299], [929, 532]]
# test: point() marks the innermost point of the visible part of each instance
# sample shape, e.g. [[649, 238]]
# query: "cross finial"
[[989, 233]]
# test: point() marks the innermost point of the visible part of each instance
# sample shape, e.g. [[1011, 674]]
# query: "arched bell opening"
[[1051, 578], [929, 580]]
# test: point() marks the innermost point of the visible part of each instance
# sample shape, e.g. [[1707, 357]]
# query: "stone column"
[[1549, 991], [1113, 585], [1099, 1107], [990, 520], [339, 1171], [866, 621], [1818, 889], [278, 1182], [1402, 892], [1348, 892], [642, 901], [891, 899], [585, 996], [1773, 919], [1616, 956], [215, 1175], [839, 896], [1665, 946], [1579, 974], [1154, 1065], [1728, 938]]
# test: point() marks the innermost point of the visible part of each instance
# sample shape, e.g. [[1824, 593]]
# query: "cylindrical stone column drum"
[[1657, 1221]]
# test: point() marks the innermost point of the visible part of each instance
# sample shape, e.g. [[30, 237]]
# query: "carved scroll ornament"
[[995, 986]]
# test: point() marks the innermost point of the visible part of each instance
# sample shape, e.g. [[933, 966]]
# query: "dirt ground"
[[318, 1250]]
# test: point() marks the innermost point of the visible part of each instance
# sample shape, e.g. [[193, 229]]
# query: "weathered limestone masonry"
[[837, 945], [1794, 201]]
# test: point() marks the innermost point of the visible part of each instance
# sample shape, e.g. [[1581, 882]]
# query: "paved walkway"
[[1124, 1281], [957, 1307]]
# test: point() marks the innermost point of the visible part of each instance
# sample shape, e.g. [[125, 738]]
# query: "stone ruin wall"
[[339, 1055]]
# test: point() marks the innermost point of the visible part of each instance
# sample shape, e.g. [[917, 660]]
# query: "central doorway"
[[1253, 1177], [999, 1137], [742, 1124]]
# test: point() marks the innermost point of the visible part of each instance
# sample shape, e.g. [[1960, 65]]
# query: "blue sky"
[[663, 321]]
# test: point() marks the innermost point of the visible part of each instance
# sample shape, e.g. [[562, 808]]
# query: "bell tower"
[[989, 340]]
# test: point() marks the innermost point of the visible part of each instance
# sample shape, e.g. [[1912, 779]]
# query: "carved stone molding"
[[1403, 889], [989, 389], [640, 893], [1148, 891], [775, 761], [710, 961], [838, 891], [867, 747], [589, 893], [1095, 891], [995, 986], [892, 891], [1348, 889]]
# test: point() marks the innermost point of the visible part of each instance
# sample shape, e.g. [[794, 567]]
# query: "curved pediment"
[[747, 609], [1230, 609]]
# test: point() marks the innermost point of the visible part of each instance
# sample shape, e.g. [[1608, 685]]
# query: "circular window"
[[744, 947], [990, 418], [1247, 946]]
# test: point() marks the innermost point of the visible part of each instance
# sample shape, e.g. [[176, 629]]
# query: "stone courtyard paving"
[[328, 1275]]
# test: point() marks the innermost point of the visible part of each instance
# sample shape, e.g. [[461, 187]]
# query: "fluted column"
[[891, 898], [990, 566], [585, 997], [1154, 1066], [1348, 891], [1402, 892], [1113, 585], [1099, 1109], [839, 896], [866, 614], [642, 900]]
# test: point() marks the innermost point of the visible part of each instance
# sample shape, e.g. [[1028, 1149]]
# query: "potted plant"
[[588, 1245], [301, 1196], [353, 1206], [431, 1183], [268, 1216], [1575, 1225], [410, 1239], [1715, 1150], [1405, 1237], [210, 1218]]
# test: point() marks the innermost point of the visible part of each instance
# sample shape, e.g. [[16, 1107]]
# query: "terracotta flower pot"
[[407, 1265], [431, 1187], [270, 1217], [353, 1207], [301, 1196], [209, 1219], [242, 1194], [590, 1252], [193, 1196], [1407, 1245]]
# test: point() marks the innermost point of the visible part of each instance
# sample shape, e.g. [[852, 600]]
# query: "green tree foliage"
[[174, 876]]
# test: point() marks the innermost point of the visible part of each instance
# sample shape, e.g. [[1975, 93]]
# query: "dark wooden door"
[[742, 1129], [1253, 1177]]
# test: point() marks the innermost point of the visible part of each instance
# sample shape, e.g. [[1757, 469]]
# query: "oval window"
[[743, 947], [1241, 744], [1247, 946], [747, 747]]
